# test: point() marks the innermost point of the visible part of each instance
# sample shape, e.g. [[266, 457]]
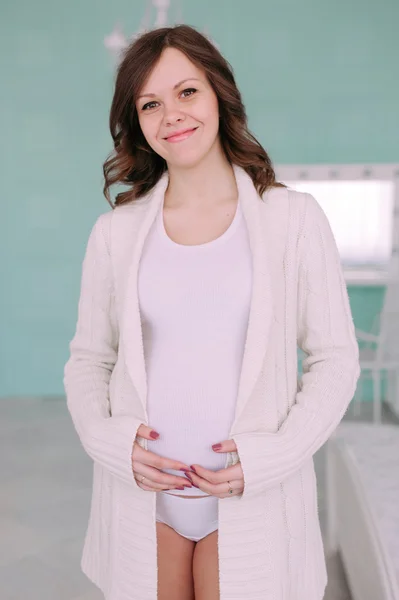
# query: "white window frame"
[[351, 172]]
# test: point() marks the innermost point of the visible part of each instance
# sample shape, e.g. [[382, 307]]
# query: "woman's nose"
[[173, 116]]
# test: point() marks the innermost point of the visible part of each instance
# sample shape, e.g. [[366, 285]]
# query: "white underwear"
[[193, 518]]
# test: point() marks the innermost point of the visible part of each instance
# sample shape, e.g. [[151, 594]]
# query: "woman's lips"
[[179, 137]]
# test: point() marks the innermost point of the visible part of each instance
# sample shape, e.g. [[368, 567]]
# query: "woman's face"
[[176, 98]]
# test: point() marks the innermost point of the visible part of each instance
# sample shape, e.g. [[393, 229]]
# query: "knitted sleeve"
[[107, 439], [325, 332]]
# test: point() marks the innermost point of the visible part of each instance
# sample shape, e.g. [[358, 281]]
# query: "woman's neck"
[[208, 183]]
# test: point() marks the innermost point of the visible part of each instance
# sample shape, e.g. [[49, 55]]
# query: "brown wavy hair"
[[133, 162]]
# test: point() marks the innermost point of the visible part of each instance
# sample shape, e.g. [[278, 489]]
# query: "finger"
[[147, 432], [226, 446], [150, 486], [154, 485], [200, 483], [221, 490], [154, 460], [147, 488], [237, 485], [221, 476], [158, 476]]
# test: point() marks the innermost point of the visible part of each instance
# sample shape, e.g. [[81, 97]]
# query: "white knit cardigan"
[[270, 545]]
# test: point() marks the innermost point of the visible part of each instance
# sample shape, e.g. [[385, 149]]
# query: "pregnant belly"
[[190, 423], [191, 446], [189, 451]]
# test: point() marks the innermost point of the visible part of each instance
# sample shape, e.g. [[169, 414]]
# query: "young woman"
[[182, 381]]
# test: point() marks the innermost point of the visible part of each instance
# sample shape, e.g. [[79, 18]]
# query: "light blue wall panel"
[[319, 82]]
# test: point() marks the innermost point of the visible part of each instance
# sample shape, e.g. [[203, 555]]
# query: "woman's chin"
[[187, 160]]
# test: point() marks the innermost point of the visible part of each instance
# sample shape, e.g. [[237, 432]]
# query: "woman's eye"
[[191, 90], [148, 105], [187, 93]]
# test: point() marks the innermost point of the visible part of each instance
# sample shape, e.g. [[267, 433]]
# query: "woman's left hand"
[[215, 482]]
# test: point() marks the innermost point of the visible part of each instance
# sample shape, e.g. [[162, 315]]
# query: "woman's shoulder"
[[287, 194], [121, 212], [118, 225], [287, 200], [293, 210]]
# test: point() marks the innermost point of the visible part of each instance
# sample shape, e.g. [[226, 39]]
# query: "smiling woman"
[[182, 381], [179, 113], [170, 80]]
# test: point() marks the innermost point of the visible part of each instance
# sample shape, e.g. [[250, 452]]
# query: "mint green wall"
[[318, 79]]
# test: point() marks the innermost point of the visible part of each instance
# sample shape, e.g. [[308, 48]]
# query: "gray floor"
[[44, 504]]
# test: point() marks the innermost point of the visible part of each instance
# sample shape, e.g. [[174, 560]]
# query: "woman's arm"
[[107, 439], [326, 334]]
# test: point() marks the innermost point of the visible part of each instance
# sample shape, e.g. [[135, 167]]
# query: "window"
[[360, 205]]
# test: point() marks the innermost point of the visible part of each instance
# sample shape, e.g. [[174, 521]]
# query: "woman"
[[182, 380]]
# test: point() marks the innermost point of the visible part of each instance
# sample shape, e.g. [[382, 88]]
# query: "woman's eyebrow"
[[174, 87]]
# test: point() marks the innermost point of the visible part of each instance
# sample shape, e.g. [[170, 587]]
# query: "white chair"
[[379, 351]]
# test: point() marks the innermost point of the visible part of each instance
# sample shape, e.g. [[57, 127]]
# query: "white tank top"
[[194, 305]]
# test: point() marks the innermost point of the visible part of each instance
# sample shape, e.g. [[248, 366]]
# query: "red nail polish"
[[180, 488], [193, 469], [154, 435], [216, 446], [188, 476]]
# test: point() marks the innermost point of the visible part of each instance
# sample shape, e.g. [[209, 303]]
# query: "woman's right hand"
[[150, 465]]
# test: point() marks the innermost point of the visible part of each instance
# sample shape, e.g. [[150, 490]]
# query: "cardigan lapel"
[[131, 330], [261, 308]]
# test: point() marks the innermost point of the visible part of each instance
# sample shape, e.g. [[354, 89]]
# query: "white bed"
[[363, 507]]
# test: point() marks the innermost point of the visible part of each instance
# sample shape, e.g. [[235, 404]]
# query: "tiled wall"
[[318, 80]]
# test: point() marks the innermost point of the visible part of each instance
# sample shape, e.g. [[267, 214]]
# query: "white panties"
[[193, 518]]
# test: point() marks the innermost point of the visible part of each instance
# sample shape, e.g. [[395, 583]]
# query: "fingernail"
[[185, 470], [189, 476], [154, 435], [193, 469], [216, 446], [180, 488]]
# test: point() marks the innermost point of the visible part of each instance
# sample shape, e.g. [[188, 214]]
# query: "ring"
[[141, 480], [230, 488]]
